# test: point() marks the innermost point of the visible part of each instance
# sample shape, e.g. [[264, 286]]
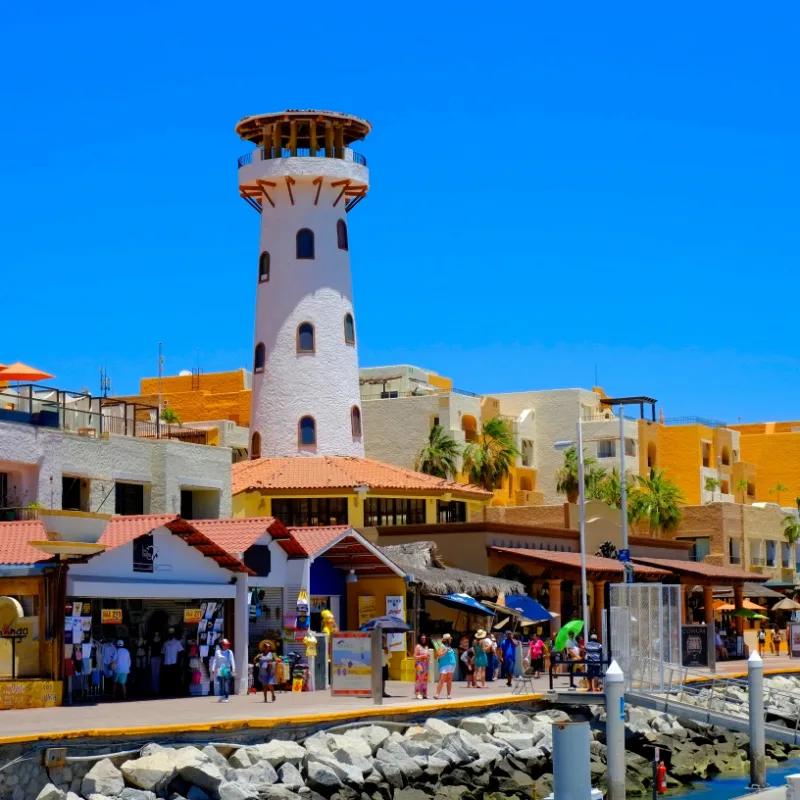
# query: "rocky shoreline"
[[488, 757]]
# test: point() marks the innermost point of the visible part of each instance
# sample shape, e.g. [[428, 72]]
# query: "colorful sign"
[[794, 639], [30, 694], [192, 616], [111, 616], [144, 553], [395, 607], [351, 664], [695, 645], [367, 609]]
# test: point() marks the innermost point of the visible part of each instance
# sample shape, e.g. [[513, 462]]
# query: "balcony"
[[16, 514], [88, 416], [269, 153], [708, 423]]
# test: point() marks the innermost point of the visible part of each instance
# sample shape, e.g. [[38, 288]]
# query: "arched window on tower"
[[307, 432], [260, 357], [305, 337], [255, 445], [305, 243], [263, 267], [355, 420], [341, 234], [349, 329]]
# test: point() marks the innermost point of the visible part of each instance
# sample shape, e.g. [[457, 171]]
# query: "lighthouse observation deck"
[[296, 144]]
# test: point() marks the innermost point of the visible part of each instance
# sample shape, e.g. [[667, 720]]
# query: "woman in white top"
[[121, 666]]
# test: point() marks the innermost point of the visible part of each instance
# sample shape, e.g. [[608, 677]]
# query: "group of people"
[[482, 657], [771, 638]]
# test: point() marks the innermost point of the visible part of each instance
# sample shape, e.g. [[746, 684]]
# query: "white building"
[[103, 460], [303, 179]]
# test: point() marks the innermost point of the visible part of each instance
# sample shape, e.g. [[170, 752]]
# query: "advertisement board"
[[351, 667], [367, 609], [395, 607], [192, 616], [794, 639], [30, 694], [111, 616], [694, 641]]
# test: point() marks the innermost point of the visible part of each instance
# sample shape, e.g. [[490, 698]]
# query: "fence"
[[644, 621]]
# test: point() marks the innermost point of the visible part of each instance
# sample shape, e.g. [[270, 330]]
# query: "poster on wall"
[[111, 616], [143, 553], [367, 609], [694, 641], [395, 607], [351, 664], [794, 639], [76, 608], [192, 616]]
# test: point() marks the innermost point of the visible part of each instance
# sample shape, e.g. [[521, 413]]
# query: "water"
[[726, 788]]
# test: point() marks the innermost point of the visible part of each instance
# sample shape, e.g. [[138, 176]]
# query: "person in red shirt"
[[537, 655]]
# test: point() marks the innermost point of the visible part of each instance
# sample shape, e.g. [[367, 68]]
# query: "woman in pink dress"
[[421, 666]]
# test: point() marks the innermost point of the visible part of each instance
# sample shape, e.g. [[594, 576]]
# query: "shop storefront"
[[168, 593]]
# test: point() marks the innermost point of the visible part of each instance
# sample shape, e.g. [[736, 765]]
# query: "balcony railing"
[[735, 559], [708, 423], [269, 153], [16, 514]]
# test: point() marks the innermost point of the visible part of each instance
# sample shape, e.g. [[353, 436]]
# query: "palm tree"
[[440, 456], [567, 476], [712, 484], [742, 487], [611, 488], [791, 530], [171, 417], [656, 501], [488, 461], [778, 488]]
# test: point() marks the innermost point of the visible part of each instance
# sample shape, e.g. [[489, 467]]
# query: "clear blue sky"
[[554, 186]]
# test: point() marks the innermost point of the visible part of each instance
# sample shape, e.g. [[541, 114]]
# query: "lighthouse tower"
[[304, 178]]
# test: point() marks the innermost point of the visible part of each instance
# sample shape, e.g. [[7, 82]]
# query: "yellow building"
[[774, 449], [359, 492], [695, 450]]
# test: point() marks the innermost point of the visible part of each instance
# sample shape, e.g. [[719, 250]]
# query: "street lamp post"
[[623, 493]]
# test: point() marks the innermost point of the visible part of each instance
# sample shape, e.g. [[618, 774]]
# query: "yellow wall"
[[445, 384], [776, 457], [380, 589]]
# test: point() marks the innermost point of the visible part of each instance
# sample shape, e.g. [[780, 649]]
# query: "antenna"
[[160, 378], [105, 382], [596, 382]]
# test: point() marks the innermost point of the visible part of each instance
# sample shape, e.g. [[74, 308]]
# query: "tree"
[[440, 456], [791, 529], [170, 416], [607, 550], [567, 476], [742, 487], [611, 489], [778, 488], [488, 461], [656, 500], [712, 484]]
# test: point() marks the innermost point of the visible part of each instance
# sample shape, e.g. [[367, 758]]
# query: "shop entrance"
[[169, 642]]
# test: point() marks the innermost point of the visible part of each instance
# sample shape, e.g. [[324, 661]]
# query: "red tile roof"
[[593, 563], [121, 530], [695, 568], [14, 538], [311, 540], [239, 535], [341, 472]]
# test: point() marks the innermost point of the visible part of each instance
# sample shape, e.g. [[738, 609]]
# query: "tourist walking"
[[173, 653], [537, 655], [447, 664], [491, 669], [776, 640], [422, 655], [468, 660], [594, 658], [121, 666], [508, 651], [265, 663], [481, 659], [223, 670], [762, 640]]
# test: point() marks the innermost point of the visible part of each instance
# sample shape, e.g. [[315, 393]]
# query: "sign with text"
[[30, 694], [111, 616], [192, 616], [395, 607], [694, 645], [367, 609], [143, 553], [351, 664]]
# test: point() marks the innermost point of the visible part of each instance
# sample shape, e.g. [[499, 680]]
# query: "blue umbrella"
[[387, 625], [531, 609], [463, 602]]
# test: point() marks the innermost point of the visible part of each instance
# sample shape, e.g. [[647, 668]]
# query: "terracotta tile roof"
[[695, 568], [121, 530], [239, 535], [14, 538], [311, 540], [341, 472], [593, 563]]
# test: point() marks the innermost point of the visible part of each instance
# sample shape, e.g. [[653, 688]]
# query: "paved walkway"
[[183, 714]]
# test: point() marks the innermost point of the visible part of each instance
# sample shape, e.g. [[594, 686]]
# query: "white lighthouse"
[[303, 179]]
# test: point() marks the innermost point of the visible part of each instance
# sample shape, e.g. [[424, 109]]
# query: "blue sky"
[[555, 187]]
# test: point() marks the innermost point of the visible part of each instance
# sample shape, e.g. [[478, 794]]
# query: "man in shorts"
[[594, 657], [122, 666]]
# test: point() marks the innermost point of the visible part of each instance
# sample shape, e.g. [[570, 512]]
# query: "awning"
[[750, 590], [462, 602], [531, 609]]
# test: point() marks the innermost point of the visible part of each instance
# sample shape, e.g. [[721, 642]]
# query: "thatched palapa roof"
[[423, 561]]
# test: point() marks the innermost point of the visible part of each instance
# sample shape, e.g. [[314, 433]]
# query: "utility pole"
[[160, 379], [623, 490]]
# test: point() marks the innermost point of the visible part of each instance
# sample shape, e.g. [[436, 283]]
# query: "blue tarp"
[[529, 608], [463, 602]]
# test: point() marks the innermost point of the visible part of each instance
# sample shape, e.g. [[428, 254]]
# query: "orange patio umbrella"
[[748, 604], [22, 372], [721, 605]]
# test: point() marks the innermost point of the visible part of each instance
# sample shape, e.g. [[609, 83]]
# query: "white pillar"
[[571, 776], [615, 731], [755, 691], [241, 622]]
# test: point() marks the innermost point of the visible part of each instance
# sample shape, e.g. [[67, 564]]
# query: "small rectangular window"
[[606, 448]]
